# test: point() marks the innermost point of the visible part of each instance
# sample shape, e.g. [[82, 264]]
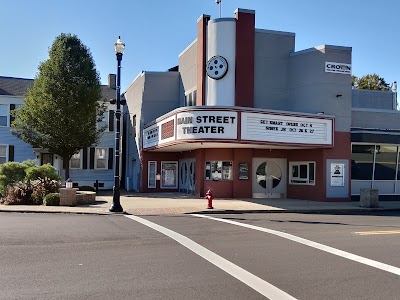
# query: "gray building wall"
[[272, 52], [373, 99], [313, 90], [150, 95], [161, 94], [134, 98], [375, 119], [188, 69]]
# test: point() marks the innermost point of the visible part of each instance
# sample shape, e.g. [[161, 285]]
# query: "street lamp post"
[[116, 205]]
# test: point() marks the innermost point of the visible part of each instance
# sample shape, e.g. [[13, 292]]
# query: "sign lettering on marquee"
[[286, 129], [207, 124]]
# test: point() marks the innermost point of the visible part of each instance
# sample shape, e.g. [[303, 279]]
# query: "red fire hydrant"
[[209, 196]]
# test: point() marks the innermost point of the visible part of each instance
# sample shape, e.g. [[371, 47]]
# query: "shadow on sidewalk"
[[172, 195]]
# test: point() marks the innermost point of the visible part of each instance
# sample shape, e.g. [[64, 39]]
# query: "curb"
[[27, 211], [216, 212]]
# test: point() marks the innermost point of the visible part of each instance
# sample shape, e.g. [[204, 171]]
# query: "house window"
[[4, 114], [152, 176], [219, 170], [101, 158], [104, 122], [302, 173], [76, 161], [13, 110], [3, 154]]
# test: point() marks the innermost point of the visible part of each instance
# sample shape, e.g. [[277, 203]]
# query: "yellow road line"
[[378, 232]]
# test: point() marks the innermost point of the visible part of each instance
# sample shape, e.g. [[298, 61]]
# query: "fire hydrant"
[[209, 196]]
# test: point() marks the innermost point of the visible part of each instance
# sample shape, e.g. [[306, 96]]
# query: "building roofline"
[[203, 16], [322, 47], [246, 11], [9, 77], [156, 73], [187, 48], [275, 32], [222, 20], [375, 110]]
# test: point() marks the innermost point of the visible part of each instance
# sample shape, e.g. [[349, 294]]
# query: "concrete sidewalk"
[[178, 203]]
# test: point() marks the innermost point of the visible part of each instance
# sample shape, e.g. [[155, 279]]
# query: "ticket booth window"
[[302, 172], [219, 170]]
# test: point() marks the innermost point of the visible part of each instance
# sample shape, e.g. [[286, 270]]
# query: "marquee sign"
[[159, 133], [286, 129], [219, 125], [151, 136], [206, 125]]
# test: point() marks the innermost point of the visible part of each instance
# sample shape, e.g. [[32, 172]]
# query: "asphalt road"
[[62, 256]]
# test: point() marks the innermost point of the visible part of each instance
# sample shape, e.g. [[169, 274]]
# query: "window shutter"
[[65, 164], [111, 120], [110, 158], [91, 164], [84, 158], [10, 153], [12, 107]]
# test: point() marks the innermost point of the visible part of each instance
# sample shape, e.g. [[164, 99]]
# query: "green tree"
[[354, 80], [61, 110], [370, 82]]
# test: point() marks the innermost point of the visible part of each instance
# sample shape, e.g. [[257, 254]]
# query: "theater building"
[[248, 116]]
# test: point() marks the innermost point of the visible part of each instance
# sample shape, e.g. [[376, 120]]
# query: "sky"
[[155, 32]]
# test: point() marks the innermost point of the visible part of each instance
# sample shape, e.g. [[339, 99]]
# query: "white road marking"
[[344, 254], [377, 232], [263, 287]]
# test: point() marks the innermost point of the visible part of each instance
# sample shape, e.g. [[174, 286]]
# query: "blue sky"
[[156, 31]]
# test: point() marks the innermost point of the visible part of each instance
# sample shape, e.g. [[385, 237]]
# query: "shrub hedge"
[[25, 183], [52, 199], [12, 172], [87, 188], [44, 171]]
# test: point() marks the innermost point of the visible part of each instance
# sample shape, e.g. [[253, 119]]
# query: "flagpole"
[[219, 2]]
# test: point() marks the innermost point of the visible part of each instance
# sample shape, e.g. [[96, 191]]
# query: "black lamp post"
[[116, 205]]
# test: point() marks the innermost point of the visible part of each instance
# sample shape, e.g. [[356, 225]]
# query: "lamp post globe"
[[119, 47]]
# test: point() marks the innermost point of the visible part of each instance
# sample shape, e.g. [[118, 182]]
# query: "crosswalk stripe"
[[344, 254], [263, 287]]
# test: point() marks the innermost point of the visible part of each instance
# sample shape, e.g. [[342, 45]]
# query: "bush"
[[20, 194], [41, 187], [24, 183], [32, 192], [44, 171], [52, 199], [87, 188], [12, 172]]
